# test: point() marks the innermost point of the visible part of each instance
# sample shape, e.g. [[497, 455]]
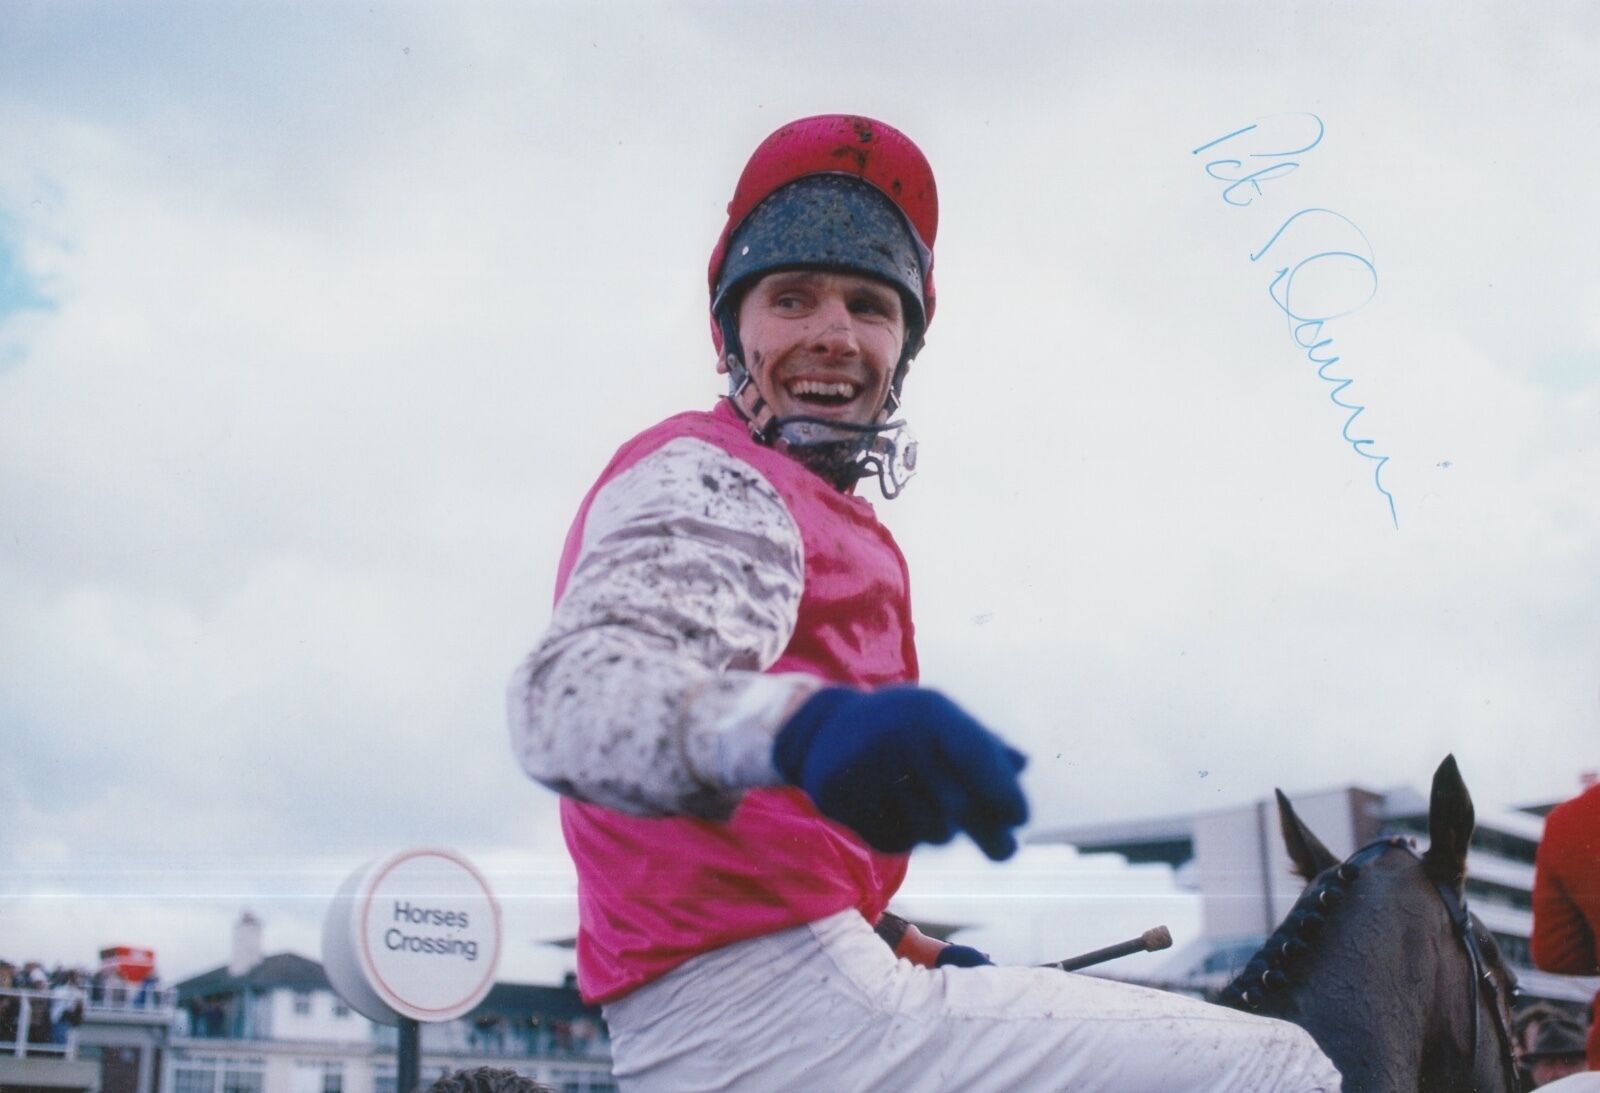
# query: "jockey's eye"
[[876, 303]]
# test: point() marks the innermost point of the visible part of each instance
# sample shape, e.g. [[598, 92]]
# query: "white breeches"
[[827, 1006]]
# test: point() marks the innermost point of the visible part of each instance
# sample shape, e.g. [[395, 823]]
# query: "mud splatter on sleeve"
[[647, 693]]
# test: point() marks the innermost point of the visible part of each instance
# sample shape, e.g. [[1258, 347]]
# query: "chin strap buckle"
[[885, 449], [892, 456], [748, 401]]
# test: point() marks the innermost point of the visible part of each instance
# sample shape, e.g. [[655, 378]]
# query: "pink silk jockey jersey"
[[654, 892]]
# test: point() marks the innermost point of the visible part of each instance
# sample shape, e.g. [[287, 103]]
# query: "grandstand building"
[[1235, 860], [273, 1024]]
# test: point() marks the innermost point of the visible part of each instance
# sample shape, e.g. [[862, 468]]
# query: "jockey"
[[726, 698]]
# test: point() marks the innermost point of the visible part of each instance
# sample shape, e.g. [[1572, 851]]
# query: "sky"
[[317, 322]]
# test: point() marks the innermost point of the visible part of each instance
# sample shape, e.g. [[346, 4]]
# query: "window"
[[191, 1079], [382, 1082], [317, 1076], [213, 1075], [302, 1003], [1488, 891], [1516, 950], [340, 1008], [242, 1081]]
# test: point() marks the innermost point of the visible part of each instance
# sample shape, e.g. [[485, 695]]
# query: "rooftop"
[[290, 971], [281, 970]]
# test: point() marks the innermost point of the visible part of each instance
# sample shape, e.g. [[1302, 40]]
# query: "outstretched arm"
[[647, 694]]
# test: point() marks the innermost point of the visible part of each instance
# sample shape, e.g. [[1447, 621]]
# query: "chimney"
[[246, 944]]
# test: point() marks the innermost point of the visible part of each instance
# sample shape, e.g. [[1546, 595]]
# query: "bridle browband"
[[1267, 970]]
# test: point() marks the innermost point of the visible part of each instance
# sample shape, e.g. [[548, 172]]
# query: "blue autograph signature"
[[1344, 267]]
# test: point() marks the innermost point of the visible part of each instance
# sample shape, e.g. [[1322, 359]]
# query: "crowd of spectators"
[[537, 1034], [42, 1007], [37, 1006]]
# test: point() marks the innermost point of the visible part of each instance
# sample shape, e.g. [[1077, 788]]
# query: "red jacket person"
[[1566, 896]]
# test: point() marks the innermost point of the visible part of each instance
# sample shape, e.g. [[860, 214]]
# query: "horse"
[[1383, 964]]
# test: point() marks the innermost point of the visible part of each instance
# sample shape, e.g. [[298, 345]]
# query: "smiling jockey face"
[[841, 206]]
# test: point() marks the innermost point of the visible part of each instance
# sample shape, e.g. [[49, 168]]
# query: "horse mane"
[[1399, 1041], [1272, 968]]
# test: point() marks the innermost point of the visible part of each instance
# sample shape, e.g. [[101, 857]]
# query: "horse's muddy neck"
[[1364, 993], [1382, 984]]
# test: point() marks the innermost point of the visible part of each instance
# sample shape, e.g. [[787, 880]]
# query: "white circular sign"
[[421, 929]]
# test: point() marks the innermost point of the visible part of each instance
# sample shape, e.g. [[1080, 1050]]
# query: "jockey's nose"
[[836, 329]]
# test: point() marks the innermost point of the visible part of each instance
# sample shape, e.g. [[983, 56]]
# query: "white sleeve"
[[647, 693]]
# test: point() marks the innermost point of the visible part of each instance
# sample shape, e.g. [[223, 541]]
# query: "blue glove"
[[961, 956], [903, 766]]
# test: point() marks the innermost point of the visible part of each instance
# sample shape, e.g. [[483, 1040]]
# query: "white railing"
[[25, 1012], [122, 998]]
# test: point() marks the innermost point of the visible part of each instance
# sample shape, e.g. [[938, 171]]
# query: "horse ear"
[[1450, 823], [1310, 857]]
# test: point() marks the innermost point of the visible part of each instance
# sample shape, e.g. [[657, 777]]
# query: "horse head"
[[1382, 963]]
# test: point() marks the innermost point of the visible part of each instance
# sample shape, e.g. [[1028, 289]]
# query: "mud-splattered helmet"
[[834, 192]]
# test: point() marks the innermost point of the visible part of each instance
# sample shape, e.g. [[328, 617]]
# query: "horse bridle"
[[1455, 905], [1267, 969]]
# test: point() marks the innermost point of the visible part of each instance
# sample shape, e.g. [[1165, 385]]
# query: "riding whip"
[[1152, 940]]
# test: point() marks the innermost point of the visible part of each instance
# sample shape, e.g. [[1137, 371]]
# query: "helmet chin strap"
[[842, 452]]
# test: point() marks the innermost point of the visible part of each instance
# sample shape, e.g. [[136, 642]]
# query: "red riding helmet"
[[840, 226]]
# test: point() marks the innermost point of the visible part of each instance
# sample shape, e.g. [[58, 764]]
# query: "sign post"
[[408, 1064], [409, 938]]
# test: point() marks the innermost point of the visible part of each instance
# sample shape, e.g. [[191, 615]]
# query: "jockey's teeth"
[[814, 388]]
